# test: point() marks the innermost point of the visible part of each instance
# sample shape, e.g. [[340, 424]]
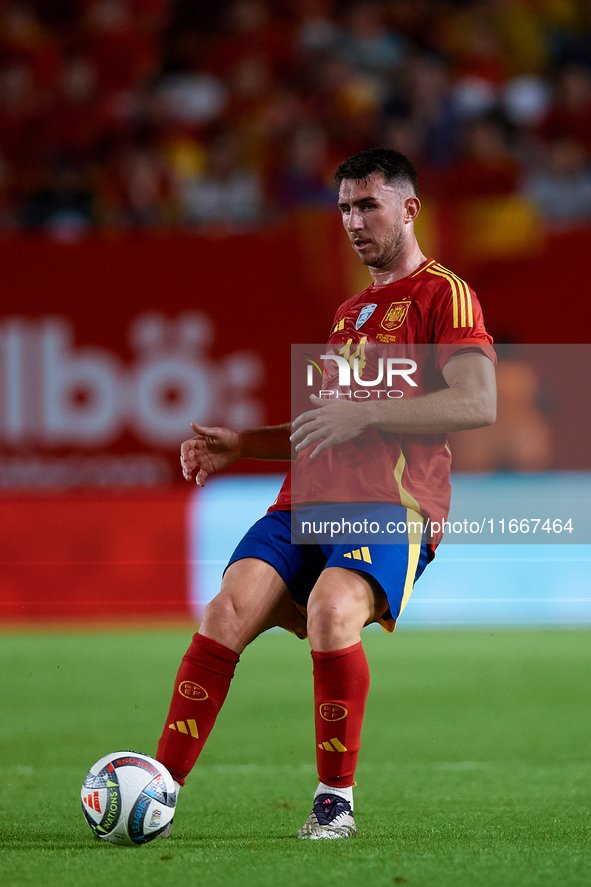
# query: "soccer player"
[[328, 592]]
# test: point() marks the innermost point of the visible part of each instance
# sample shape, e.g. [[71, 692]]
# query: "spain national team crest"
[[364, 315], [395, 316], [193, 691], [332, 711]]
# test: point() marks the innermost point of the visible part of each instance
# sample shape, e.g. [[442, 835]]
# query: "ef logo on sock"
[[193, 691], [332, 711]]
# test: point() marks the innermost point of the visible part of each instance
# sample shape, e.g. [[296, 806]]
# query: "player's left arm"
[[468, 402]]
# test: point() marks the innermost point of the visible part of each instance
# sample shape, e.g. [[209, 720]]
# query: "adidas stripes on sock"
[[341, 685], [201, 686]]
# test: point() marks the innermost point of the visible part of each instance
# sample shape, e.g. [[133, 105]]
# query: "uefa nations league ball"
[[128, 798]]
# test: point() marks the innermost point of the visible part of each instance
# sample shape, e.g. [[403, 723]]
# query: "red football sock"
[[201, 686], [341, 685]]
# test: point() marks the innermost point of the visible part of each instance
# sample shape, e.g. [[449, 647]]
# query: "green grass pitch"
[[475, 769]]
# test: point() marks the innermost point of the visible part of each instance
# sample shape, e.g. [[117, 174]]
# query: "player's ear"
[[412, 207]]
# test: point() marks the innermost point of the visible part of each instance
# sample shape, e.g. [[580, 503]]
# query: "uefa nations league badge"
[[364, 315]]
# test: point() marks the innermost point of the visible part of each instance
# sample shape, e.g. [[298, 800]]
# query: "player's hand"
[[333, 422], [209, 451]]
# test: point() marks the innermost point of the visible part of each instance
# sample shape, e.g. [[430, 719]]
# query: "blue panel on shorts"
[[300, 565]]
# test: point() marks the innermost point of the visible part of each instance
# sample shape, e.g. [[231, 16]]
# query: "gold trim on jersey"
[[414, 522], [406, 500], [424, 268], [461, 296]]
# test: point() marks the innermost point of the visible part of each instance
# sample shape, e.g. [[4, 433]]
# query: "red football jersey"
[[430, 307]]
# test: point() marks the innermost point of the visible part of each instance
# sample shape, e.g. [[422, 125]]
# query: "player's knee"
[[223, 612], [331, 615]]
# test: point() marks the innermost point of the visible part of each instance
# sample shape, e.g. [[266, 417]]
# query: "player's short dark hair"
[[394, 166]]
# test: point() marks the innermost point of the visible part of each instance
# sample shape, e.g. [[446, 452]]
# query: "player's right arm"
[[214, 448]]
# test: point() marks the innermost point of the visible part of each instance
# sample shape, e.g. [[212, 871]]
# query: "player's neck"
[[401, 266]]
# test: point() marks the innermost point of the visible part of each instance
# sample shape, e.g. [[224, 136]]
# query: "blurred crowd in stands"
[[182, 114]]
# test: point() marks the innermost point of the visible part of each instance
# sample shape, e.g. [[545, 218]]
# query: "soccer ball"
[[128, 798]]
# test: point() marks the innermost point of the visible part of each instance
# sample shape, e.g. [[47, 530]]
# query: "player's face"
[[376, 216]]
